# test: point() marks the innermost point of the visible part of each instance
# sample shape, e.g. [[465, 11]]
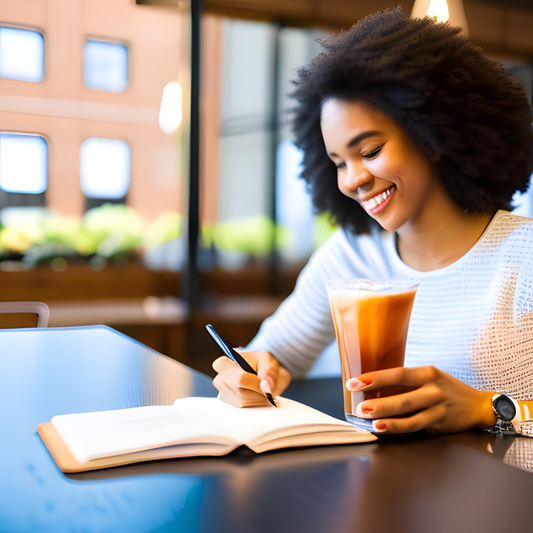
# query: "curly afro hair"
[[461, 109]]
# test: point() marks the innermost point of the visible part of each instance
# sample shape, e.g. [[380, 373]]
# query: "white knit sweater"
[[472, 319]]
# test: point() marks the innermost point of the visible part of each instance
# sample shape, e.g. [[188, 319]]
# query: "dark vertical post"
[[191, 278], [274, 262]]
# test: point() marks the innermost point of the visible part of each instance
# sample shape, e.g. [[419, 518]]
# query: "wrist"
[[486, 417]]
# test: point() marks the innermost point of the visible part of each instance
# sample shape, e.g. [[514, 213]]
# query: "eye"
[[372, 154], [341, 165]]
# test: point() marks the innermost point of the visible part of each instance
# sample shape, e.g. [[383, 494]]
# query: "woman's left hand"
[[438, 402]]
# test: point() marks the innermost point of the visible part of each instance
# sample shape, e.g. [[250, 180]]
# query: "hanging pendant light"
[[170, 113], [443, 11]]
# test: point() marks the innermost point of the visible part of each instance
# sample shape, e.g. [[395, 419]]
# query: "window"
[[105, 66], [105, 169], [21, 54], [23, 163], [246, 142]]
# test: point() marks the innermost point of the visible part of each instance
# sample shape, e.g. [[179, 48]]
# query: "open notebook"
[[189, 427]]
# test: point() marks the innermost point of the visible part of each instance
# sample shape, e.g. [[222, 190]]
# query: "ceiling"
[[518, 4]]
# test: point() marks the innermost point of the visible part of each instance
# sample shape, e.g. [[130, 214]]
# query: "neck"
[[440, 234]]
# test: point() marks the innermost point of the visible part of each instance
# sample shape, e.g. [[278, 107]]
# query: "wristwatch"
[[508, 417]]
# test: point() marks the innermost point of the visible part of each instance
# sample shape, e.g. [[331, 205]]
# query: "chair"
[[35, 308]]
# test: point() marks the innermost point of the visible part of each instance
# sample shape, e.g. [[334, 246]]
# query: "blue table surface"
[[415, 484]]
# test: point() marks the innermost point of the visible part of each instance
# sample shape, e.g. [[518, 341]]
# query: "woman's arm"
[[289, 341], [302, 327]]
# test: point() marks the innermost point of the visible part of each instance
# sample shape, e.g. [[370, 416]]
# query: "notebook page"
[[248, 425], [101, 434], [314, 439], [96, 435]]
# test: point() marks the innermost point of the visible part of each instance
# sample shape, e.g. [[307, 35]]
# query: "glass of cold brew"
[[371, 320]]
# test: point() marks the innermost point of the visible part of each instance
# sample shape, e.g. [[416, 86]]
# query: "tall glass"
[[371, 320]]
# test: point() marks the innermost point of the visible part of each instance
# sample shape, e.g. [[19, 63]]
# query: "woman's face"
[[377, 163]]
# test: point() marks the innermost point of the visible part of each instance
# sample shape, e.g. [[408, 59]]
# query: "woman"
[[409, 128]]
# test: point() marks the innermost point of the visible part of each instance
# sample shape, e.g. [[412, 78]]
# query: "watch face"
[[505, 408]]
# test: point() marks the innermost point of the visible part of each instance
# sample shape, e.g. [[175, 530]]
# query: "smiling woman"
[[407, 127]]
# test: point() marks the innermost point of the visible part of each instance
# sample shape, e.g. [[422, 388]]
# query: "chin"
[[388, 221]]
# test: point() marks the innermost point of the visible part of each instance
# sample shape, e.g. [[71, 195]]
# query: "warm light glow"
[[170, 114], [451, 11], [439, 10]]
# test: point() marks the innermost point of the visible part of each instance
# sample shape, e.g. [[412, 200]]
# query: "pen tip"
[[271, 399]]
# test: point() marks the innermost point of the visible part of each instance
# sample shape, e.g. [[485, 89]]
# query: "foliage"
[[323, 229], [253, 236], [112, 232], [166, 227], [116, 229]]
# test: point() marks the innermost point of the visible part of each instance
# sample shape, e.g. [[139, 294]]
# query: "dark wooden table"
[[420, 483]]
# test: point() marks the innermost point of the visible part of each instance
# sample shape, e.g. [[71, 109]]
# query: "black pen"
[[236, 357]]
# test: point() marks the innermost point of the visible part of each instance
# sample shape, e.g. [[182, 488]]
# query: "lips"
[[378, 202]]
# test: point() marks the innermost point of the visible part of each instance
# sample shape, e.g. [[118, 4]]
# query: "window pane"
[[105, 66], [21, 55], [23, 163], [105, 168], [293, 204]]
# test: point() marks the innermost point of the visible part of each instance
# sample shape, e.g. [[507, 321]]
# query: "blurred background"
[[105, 214]]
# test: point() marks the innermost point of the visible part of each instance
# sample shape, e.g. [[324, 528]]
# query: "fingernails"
[[355, 385], [379, 426], [363, 411], [265, 386]]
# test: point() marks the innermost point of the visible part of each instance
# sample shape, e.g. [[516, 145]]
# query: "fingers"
[[409, 377], [401, 404], [284, 378], [235, 385], [267, 371], [423, 420], [243, 398], [234, 376]]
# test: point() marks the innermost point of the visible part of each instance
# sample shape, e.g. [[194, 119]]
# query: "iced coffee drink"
[[371, 321]]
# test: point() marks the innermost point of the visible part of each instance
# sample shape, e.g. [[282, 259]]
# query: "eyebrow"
[[357, 139]]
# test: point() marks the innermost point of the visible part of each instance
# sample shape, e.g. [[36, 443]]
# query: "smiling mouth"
[[378, 203]]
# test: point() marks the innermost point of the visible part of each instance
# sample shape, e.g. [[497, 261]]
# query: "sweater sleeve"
[[302, 327]]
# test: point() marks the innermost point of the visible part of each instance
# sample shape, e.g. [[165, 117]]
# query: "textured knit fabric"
[[472, 319]]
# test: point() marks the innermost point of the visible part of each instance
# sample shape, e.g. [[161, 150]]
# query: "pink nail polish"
[[363, 411], [379, 425], [355, 385], [265, 386]]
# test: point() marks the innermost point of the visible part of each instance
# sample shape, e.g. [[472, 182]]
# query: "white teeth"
[[376, 200]]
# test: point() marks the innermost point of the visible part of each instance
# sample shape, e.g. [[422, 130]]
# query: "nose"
[[357, 177]]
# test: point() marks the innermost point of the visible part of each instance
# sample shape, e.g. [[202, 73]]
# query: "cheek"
[[410, 171], [385, 167]]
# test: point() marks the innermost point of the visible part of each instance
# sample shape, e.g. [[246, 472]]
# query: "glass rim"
[[360, 284]]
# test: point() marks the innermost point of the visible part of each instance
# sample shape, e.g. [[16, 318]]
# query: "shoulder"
[[511, 221], [514, 231]]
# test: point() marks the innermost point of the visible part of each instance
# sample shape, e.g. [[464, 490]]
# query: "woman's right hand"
[[243, 389]]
